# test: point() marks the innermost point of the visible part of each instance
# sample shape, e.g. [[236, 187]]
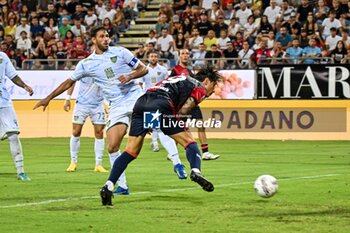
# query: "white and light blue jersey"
[[89, 93], [7, 70], [154, 75], [106, 68]]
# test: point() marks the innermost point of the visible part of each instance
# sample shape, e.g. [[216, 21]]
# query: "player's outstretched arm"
[[59, 90], [67, 104], [19, 82], [140, 71]]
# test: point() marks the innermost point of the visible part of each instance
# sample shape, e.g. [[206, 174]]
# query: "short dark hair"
[[209, 72], [96, 29]]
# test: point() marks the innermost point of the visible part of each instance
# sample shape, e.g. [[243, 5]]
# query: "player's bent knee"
[[112, 148], [76, 134], [99, 134], [183, 138], [76, 131]]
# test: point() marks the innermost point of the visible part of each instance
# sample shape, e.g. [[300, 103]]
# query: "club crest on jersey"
[[159, 73], [76, 118], [109, 72], [114, 59], [0, 60]]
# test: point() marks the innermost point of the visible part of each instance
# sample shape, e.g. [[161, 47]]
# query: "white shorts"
[[8, 122], [81, 112], [120, 112]]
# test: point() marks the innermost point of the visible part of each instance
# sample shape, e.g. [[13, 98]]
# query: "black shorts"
[[145, 107], [196, 113]]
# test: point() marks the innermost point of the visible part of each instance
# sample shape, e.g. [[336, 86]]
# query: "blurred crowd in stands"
[[227, 33]]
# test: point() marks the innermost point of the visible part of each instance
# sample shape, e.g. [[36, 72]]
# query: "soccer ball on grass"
[[266, 186]]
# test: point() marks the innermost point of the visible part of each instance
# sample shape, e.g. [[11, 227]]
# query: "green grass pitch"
[[313, 196]]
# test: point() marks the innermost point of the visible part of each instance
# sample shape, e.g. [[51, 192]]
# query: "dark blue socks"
[[193, 155], [120, 164]]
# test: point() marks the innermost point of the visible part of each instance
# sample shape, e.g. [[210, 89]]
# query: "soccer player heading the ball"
[[170, 98]]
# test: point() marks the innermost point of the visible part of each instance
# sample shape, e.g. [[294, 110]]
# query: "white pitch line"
[[162, 191]]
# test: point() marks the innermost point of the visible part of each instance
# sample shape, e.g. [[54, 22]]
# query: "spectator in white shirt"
[[234, 27], [107, 12], [22, 27], [272, 12], [78, 29], [243, 14], [24, 43], [165, 44], [332, 40], [195, 40], [223, 39], [245, 56], [90, 19], [152, 37], [329, 23], [199, 56]]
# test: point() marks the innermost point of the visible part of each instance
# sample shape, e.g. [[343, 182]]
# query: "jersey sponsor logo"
[[133, 62], [114, 59], [109, 72], [151, 120]]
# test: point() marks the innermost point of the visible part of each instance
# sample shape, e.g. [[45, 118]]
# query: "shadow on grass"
[[280, 215]]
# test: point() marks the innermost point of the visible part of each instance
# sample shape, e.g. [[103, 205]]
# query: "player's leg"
[[154, 143], [115, 135], [17, 155], [78, 119], [170, 146], [136, 136], [98, 119], [206, 155], [132, 150], [74, 145], [99, 148], [9, 130], [193, 156]]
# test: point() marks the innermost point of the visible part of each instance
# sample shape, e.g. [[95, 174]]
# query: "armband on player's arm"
[[140, 71], [188, 106]]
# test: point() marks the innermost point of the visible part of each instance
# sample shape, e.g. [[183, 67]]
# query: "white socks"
[[99, 148], [16, 151], [110, 185], [74, 148], [122, 179], [155, 136], [170, 146]]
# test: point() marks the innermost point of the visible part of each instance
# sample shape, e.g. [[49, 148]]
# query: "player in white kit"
[[8, 121], [112, 69], [89, 103], [157, 73]]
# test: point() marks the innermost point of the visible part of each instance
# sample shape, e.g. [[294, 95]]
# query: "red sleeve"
[[198, 93]]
